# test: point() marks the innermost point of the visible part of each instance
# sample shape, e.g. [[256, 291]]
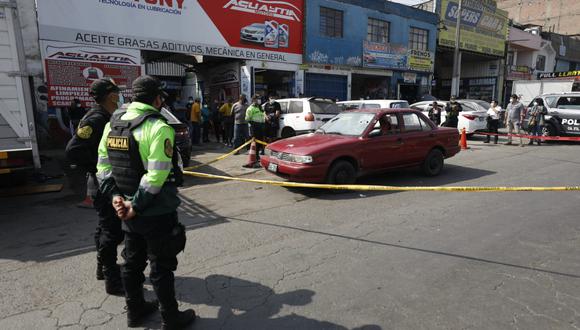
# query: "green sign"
[[483, 27]]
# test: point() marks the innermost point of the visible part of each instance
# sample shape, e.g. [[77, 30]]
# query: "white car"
[[253, 33], [473, 117], [304, 115], [372, 104]]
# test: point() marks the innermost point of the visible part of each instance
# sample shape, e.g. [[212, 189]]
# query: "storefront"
[[197, 53]]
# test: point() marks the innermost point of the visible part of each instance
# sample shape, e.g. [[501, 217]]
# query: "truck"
[[527, 90], [18, 144]]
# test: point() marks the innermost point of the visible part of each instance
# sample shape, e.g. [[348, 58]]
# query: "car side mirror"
[[375, 132]]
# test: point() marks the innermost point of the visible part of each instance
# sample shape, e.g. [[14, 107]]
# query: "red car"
[[356, 143]]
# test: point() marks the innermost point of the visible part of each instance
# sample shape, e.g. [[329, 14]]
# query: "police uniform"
[[138, 161], [452, 117], [82, 150]]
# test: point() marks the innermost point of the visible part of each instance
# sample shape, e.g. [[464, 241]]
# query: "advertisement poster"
[[252, 29], [483, 26], [420, 60], [387, 56], [70, 70]]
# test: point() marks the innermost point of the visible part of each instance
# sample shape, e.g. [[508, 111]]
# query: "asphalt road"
[[263, 257]]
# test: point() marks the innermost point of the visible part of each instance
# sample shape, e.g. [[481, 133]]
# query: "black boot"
[[137, 312], [100, 275], [177, 319], [114, 287]]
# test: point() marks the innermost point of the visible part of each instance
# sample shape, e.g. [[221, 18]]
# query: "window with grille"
[[378, 31], [541, 63], [330, 22], [419, 39]]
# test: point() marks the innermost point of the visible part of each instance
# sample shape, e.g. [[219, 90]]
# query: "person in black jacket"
[[82, 150]]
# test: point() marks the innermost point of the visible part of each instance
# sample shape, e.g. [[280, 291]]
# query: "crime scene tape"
[[547, 138], [218, 158], [261, 142], [379, 188]]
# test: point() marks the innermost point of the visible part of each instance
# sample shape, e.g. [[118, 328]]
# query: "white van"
[[304, 115], [372, 104]]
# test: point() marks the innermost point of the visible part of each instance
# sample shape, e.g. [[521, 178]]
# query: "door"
[[326, 85], [568, 114], [381, 149], [418, 137]]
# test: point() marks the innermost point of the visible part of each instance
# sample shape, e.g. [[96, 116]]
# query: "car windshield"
[[484, 104], [399, 105], [347, 123], [324, 107]]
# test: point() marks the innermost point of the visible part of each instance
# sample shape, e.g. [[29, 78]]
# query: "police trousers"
[[108, 236], [159, 244]]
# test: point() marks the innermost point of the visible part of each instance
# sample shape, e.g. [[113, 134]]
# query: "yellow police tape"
[[379, 188], [219, 158]]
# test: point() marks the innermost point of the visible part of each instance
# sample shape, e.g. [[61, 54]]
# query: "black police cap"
[[148, 86], [102, 87]]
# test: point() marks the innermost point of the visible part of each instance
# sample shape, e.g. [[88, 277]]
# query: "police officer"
[[453, 109], [82, 150], [140, 168]]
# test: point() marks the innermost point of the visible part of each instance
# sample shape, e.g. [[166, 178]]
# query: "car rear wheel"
[[433, 163], [341, 172], [287, 132]]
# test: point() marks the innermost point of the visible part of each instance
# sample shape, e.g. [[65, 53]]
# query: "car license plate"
[[272, 167]]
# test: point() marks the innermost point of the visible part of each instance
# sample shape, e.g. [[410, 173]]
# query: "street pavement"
[[264, 257]]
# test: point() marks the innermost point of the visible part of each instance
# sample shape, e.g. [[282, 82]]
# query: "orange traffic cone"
[[463, 142], [252, 157], [87, 203]]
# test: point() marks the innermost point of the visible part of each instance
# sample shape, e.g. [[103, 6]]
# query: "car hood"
[[310, 143]]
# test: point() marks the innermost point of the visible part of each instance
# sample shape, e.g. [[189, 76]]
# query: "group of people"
[[134, 170], [513, 117], [236, 122]]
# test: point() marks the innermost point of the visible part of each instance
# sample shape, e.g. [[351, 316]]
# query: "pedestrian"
[[75, 113], [240, 123], [452, 109], [273, 111], [536, 121], [227, 122], [435, 113], [493, 114], [514, 116], [139, 167], [195, 118], [216, 120], [256, 118], [82, 149], [205, 122]]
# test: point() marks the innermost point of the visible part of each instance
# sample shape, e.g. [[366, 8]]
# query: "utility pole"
[[457, 56]]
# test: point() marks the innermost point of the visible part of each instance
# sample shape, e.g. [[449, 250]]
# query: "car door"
[[417, 136], [381, 151], [568, 113]]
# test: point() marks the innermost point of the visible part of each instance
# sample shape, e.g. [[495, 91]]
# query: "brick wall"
[[560, 16]]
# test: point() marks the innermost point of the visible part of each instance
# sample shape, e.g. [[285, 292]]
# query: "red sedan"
[[357, 143]]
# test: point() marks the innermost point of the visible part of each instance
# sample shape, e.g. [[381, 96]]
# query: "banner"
[[253, 30], [390, 56], [70, 69], [483, 26]]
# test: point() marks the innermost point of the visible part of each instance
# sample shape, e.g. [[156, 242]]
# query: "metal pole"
[[457, 56]]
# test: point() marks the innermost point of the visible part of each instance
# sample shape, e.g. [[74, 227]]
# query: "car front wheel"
[[549, 130], [341, 172], [433, 163]]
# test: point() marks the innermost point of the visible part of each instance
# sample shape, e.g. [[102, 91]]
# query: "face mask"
[[536, 103], [120, 101], [511, 100]]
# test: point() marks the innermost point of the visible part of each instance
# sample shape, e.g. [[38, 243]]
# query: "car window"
[[468, 107], [550, 101], [295, 107], [413, 123], [371, 106], [284, 107], [323, 107], [569, 102], [347, 123], [399, 105], [418, 107], [483, 104], [352, 106]]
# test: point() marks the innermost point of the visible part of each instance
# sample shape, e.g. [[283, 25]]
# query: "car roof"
[[383, 110], [370, 101], [561, 94]]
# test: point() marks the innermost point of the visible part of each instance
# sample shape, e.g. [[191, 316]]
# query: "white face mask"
[[535, 103], [511, 100], [120, 101]]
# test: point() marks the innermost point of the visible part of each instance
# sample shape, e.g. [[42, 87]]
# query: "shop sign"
[[420, 60], [70, 69], [388, 56], [561, 74], [409, 77], [250, 30], [483, 26]]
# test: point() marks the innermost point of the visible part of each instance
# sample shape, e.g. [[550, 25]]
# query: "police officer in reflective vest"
[[139, 167], [82, 150]]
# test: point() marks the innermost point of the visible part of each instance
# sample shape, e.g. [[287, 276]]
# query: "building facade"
[[368, 49], [553, 16]]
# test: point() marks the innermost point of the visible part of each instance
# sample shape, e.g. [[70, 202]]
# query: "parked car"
[[473, 117], [182, 137], [304, 115], [360, 142], [254, 33], [563, 118], [372, 104]]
